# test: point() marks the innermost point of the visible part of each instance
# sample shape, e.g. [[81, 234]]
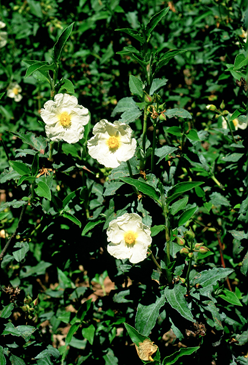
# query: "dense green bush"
[[175, 76]]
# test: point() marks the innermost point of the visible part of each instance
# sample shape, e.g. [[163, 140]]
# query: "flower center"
[[113, 142], [235, 122], [65, 119], [130, 237], [15, 91]]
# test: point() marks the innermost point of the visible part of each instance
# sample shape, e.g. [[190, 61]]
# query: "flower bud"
[[203, 249], [189, 234], [180, 241], [190, 254], [148, 99], [198, 245], [162, 117], [182, 280], [225, 112], [222, 105], [211, 107], [184, 251]]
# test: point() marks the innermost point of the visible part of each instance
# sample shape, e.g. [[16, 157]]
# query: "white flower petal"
[[120, 251], [139, 252]]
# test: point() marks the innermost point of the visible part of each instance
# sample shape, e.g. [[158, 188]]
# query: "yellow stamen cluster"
[[113, 143], [130, 237], [65, 119], [235, 122], [15, 91]]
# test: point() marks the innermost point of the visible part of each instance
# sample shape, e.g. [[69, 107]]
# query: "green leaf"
[[70, 149], [111, 187], [20, 254], [64, 281], [167, 57], [23, 178], [15, 360], [153, 22], [133, 33], [7, 175], [59, 45], [192, 135], [123, 105], [68, 198], [136, 86], [14, 204], [40, 66], [181, 188], [35, 164], [164, 151], [230, 297], [68, 86], [179, 205], [234, 157], [178, 112], [50, 351], [72, 218], [109, 53], [168, 360], [71, 332], [6, 312], [176, 298], [20, 167], [185, 217], [130, 115], [35, 8], [240, 61], [156, 229], [244, 267], [210, 277], [20, 331], [176, 131], [90, 225], [156, 85], [218, 199], [147, 315], [143, 187], [135, 336], [39, 269], [39, 143], [2, 357], [89, 333], [110, 358], [43, 190]]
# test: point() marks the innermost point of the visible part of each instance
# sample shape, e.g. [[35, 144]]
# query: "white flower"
[[112, 143], [2, 25], [64, 118], [14, 91], [3, 39], [238, 123], [129, 238]]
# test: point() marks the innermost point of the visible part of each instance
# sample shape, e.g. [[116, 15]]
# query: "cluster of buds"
[[29, 306], [189, 250]]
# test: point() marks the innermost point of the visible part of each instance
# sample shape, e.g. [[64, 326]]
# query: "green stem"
[[217, 182], [229, 126], [153, 146], [32, 193], [154, 260], [129, 169], [5, 148], [51, 151], [144, 138], [189, 268]]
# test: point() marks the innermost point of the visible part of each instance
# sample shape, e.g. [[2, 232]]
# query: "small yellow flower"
[[129, 238], [14, 91]]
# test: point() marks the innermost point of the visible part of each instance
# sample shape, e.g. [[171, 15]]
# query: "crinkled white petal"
[[116, 236], [2, 25], [99, 149], [3, 39], [18, 97], [242, 125], [224, 123]]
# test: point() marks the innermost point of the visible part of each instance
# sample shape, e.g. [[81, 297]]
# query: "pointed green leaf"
[[90, 225], [59, 45], [43, 190], [71, 332], [68, 198], [230, 297], [176, 298], [20, 167], [169, 360], [143, 187], [164, 151], [2, 357], [6, 311], [179, 205], [23, 178], [89, 333], [192, 135], [210, 277], [157, 84], [167, 57], [15, 360], [39, 66], [156, 229], [135, 336], [146, 316], [153, 22], [133, 33], [181, 188], [20, 254], [68, 86], [35, 164], [185, 217], [178, 112], [136, 86], [72, 218]]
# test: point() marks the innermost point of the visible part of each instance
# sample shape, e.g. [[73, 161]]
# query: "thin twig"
[[222, 258]]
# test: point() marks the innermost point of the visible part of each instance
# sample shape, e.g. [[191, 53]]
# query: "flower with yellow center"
[[240, 122], [3, 35], [64, 118], [129, 238], [14, 91], [112, 143]]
